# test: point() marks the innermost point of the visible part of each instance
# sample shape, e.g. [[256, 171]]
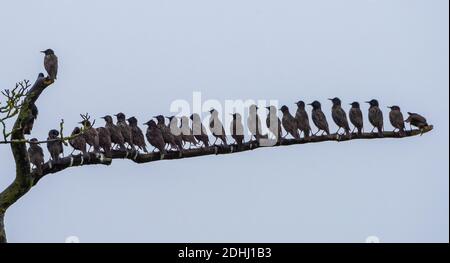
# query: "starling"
[[339, 116], [319, 118], [125, 129], [199, 130], [397, 120], [50, 63], [168, 137], [136, 134], [90, 135], [176, 131], [417, 120], [115, 132], [186, 133], [254, 123], [30, 119], [155, 136], [376, 116], [356, 117], [216, 127], [36, 155], [79, 142], [274, 123], [104, 140], [301, 116], [54, 145], [237, 129], [289, 122]]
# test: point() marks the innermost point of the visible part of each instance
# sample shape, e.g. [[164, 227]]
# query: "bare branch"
[[137, 157]]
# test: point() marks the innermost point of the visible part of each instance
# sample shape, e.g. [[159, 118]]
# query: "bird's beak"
[[310, 104], [330, 99], [389, 107], [268, 108], [367, 101], [43, 51]]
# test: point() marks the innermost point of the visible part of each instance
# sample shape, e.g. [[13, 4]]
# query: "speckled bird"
[[90, 135], [36, 155], [187, 133], [216, 127], [274, 123], [397, 120], [50, 63], [339, 116], [237, 129], [376, 116], [136, 134], [301, 116], [54, 145], [356, 117], [417, 120], [155, 136], [125, 129], [319, 118], [114, 132], [199, 130], [78, 142], [104, 140], [289, 123], [168, 137]]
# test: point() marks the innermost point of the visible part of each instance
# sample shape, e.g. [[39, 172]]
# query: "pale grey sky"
[[139, 56]]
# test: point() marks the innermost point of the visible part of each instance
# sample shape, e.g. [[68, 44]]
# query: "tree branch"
[[91, 158]]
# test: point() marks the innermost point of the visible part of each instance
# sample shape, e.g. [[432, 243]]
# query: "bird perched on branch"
[[114, 132], [376, 116], [216, 127], [356, 117], [339, 116], [237, 129], [90, 134], [417, 120], [289, 122], [254, 123], [187, 133], [397, 120], [36, 155], [199, 130], [104, 140], [136, 134], [78, 142], [168, 137], [54, 145], [29, 123], [301, 116], [50, 63], [274, 123], [319, 118], [155, 137], [176, 131], [125, 129]]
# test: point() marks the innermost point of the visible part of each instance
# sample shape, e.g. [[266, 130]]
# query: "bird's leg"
[[372, 130], [337, 132], [353, 129], [215, 141]]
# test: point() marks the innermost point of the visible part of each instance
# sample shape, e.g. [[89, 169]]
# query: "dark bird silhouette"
[[289, 123], [136, 134], [78, 142], [36, 155], [254, 123], [274, 123], [155, 137], [90, 135], [54, 145], [319, 118], [50, 63], [114, 132], [186, 132], [237, 129], [397, 120], [199, 130], [29, 123], [216, 127], [301, 116], [356, 117], [176, 131], [376, 116], [125, 129], [417, 120], [168, 137], [339, 116], [104, 140]]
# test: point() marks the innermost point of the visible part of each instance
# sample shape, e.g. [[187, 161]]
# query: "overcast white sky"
[[140, 56]]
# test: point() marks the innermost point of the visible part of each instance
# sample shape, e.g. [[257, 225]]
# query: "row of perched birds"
[[125, 133]]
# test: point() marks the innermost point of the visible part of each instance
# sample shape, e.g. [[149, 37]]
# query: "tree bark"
[[23, 180]]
